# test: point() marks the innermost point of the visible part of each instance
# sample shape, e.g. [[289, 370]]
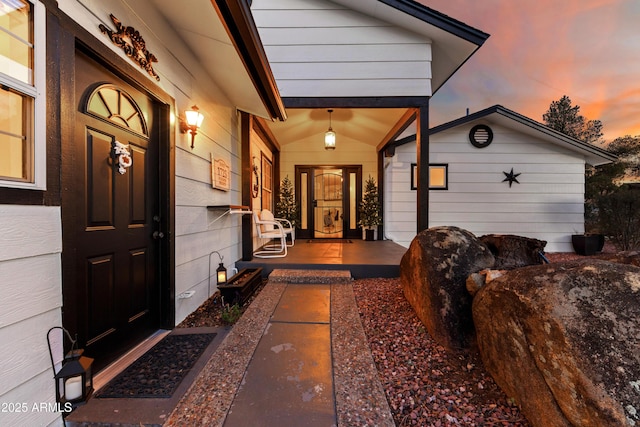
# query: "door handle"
[[158, 234]]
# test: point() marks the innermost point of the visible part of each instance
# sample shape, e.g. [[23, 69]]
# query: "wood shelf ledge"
[[229, 209]]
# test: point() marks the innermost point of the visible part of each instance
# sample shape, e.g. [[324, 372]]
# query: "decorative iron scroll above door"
[[130, 40]]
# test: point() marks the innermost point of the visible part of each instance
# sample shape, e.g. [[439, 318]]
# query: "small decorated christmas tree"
[[370, 205], [286, 206]]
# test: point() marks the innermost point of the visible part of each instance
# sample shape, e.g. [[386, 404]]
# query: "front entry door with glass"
[[328, 197]]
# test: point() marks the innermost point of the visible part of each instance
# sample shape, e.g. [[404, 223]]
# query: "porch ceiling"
[[365, 125], [201, 31]]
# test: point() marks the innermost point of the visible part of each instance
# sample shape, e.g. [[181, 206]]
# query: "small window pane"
[[12, 159], [16, 40], [438, 177], [114, 105], [15, 131]]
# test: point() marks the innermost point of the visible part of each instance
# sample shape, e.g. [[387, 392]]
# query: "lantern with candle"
[[74, 380]]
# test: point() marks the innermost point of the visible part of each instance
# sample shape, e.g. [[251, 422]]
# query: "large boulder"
[[433, 273], [514, 251], [563, 340], [628, 257]]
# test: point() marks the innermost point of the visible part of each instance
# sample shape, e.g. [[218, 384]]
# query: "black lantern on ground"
[[74, 380]]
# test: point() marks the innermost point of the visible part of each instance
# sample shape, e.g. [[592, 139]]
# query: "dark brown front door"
[[111, 217]]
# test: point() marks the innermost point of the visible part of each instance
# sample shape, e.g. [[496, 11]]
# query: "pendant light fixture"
[[330, 136]]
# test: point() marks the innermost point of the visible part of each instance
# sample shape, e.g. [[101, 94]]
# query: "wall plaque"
[[220, 174]]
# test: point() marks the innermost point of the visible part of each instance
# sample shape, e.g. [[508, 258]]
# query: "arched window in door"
[[108, 102]]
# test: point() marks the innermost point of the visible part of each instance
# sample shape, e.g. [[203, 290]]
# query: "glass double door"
[[328, 197]]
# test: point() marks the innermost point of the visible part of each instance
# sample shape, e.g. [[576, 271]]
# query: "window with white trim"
[[22, 94]]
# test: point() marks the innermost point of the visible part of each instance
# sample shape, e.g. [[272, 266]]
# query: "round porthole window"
[[480, 136]]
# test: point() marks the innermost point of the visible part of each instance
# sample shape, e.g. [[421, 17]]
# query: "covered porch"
[[365, 259]]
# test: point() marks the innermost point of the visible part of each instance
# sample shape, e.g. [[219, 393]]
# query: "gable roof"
[[453, 42], [503, 116]]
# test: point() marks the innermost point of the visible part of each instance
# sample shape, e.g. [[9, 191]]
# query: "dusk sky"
[[540, 50]]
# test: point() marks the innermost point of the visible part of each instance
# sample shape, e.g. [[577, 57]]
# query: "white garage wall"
[[548, 204]]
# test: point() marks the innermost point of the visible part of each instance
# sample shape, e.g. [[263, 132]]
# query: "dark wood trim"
[[346, 169], [440, 20], [236, 16], [405, 121], [422, 155], [50, 196], [167, 189], [263, 131], [356, 102], [276, 178], [381, 186], [246, 124]]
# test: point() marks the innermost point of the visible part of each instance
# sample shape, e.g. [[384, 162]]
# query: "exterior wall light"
[[192, 122]]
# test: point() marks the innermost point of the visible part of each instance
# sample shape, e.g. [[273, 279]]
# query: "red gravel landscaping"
[[426, 385]]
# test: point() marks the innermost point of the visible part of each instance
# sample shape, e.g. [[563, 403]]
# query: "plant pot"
[[241, 286], [369, 234], [587, 244]]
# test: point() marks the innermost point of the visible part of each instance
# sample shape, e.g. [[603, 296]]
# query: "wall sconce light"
[[192, 122], [330, 136], [74, 380]]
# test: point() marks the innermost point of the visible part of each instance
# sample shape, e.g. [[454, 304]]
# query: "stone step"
[[280, 275]]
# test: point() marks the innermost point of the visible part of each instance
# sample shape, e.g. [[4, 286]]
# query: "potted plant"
[[587, 243], [370, 209], [286, 205]]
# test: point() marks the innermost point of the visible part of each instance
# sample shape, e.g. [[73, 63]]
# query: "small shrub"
[[619, 217], [231, 313]]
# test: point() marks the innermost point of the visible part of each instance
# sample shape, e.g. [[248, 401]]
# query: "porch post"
[[422, 153], [381, 193], [245, 159]]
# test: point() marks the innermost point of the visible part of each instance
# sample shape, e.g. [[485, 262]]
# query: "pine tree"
[[566, 118], [286, 206], [370, 206]]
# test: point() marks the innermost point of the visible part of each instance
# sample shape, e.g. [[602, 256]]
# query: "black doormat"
[[328, 240], [159, 372]]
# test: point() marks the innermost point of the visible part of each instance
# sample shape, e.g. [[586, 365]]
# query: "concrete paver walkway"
[[297, 357], [289, 380]]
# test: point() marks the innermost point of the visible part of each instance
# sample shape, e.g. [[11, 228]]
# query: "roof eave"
[[238, 21], [594, 155], [440, 20]]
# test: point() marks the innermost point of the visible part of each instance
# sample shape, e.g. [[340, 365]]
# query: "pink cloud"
[[540, 50]]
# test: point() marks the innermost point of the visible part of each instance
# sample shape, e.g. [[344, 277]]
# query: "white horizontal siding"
[[364, 71], [336, 36], [28, 354], [547, 203], [318, 48], [31, 286], [29, 230], [349, 53], [30, 267], [38, 390]]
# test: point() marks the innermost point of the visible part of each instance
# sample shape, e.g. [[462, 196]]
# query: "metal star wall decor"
[[511, 177]]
